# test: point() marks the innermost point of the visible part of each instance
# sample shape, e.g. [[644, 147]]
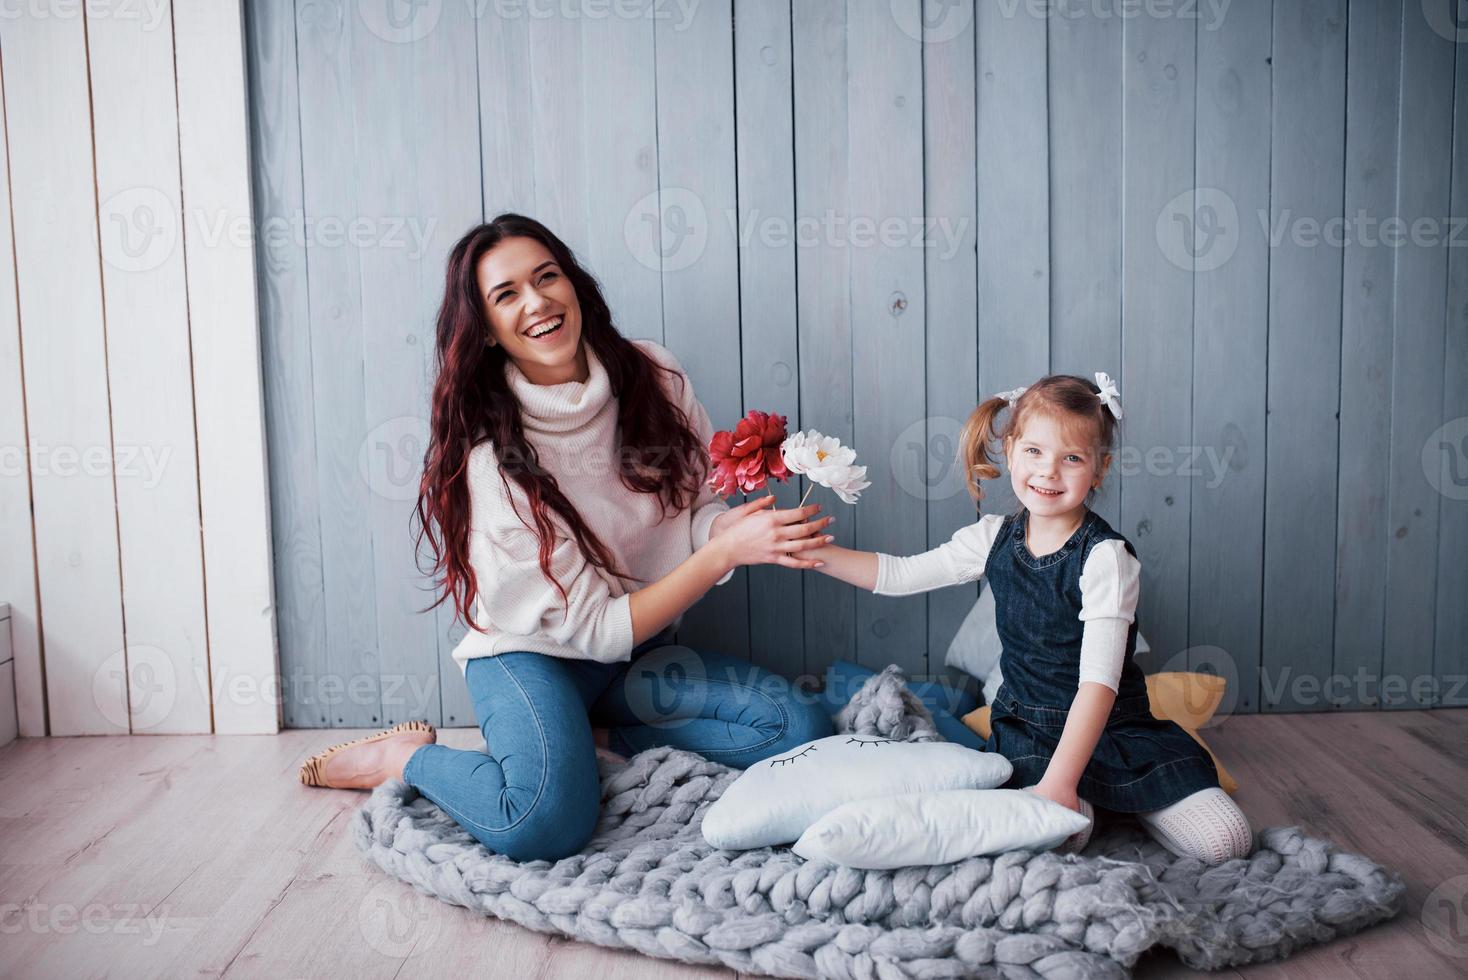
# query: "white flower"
[[822, 459]]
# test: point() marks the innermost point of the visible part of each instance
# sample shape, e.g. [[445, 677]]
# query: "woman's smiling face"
[[1050, 469], [532, 310]]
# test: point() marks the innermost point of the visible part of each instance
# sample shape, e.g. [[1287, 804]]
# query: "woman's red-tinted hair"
[[472, 401]]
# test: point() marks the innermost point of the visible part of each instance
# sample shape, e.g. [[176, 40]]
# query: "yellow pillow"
[[1187, 698]]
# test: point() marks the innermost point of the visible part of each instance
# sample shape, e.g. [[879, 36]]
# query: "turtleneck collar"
[[562, 408]]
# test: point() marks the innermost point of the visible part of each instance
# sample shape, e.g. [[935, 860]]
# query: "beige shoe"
[[313, 770]]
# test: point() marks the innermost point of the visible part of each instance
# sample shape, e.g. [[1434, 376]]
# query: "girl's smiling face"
[[1050, 469]]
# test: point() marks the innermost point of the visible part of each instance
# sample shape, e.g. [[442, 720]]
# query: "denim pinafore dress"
[[1141, 763]]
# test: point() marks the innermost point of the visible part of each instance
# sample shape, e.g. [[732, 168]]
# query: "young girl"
[[1072, 713]]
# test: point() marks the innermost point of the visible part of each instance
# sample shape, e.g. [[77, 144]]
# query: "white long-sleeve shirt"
[[573, 428], [1110, 584]]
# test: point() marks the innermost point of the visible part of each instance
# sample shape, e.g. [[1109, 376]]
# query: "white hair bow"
[[1108, 393], [1011, 396]]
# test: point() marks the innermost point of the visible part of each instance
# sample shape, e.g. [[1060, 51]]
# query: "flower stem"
[[808, 489]]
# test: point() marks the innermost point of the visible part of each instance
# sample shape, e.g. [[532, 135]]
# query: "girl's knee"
[[1207, 825]]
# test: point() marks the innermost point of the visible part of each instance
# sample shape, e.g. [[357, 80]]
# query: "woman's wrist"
[[718, 554]]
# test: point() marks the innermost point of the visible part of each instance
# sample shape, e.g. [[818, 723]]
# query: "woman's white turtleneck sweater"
[[573, 428]]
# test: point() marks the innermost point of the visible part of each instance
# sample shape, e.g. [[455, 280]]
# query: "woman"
[[564, 501]]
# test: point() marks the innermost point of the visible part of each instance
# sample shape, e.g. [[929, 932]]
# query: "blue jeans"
[[535, 792]]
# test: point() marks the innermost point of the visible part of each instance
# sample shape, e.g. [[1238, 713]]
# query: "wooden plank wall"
[[865, 216], [134, 543]]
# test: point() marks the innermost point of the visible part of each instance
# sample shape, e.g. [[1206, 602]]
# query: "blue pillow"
[[945, 702]]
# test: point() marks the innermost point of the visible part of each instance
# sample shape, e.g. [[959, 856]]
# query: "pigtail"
[[976, 444]]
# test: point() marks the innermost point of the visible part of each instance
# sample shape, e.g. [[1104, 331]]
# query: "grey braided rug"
[[649, 882]]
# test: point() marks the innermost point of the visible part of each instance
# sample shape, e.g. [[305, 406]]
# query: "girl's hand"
[[754, 533], [1059, 794]]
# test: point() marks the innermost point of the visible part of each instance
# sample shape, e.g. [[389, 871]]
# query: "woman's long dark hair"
[[472, 401]]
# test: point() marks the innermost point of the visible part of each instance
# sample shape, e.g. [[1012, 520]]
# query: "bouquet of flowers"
[[758, 450]]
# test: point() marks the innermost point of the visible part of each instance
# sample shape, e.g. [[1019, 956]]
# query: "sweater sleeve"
[[1110, 585], [708, 505], [959, 560], [514, 594]]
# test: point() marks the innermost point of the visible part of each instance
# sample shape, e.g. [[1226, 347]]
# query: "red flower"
[[749, 457]]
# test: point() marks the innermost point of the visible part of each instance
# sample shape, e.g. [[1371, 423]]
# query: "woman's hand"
[[754, 533], [1065, 796]]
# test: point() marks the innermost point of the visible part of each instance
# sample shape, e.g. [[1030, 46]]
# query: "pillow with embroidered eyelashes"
[[776, 799], [937, 828]]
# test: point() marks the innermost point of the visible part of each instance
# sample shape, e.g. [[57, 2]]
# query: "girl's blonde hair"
[[1071, 399]]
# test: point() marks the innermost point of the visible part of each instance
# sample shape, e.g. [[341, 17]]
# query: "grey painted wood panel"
[[1373, 103], [1085, 98], [888, 309], [823, 296], [425, 167], [1159, 106], [696, 187], [1447, 451], [1088, 168], [347, 692], [1424, 166], [286, 356], [1225, 461], [1013, 210], [769, 348], [1307, 185], [925, 463]]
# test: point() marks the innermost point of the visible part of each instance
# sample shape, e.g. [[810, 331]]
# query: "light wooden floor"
[[202, 856]]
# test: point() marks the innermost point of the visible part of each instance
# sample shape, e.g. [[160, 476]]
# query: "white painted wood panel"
[[214, 151]]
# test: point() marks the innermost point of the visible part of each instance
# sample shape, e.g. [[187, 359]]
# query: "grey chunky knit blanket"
[[648, 881]]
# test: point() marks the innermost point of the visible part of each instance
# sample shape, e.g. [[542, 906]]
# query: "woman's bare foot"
[[368, 764]]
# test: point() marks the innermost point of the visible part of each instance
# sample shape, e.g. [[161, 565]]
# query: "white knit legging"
[[1207, 825]]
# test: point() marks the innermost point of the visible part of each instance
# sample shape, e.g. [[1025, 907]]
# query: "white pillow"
[[937, 828], [976, 647], [774, 800]]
